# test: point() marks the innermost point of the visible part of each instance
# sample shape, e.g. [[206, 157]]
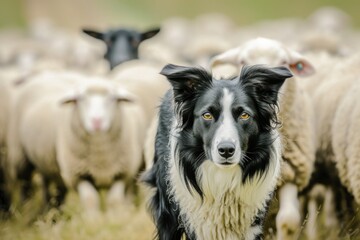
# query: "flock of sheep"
[[66, 116]]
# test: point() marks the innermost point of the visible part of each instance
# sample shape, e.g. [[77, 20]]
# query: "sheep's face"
[[263, 51], [97, 109], [121, 44], [268, 52]]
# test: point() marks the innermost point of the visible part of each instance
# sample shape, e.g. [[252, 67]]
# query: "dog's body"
[[217, 154]]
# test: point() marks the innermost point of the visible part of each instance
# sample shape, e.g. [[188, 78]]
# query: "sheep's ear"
[[229, 57], [186, 80], [94, 34], [299, 65], [264, 82], [149, 34], [122, 95], [69, 97]]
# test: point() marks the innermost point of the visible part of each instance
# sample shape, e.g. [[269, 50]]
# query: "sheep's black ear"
[[149, 34], [94, 34], [186, 80], [264, 81]]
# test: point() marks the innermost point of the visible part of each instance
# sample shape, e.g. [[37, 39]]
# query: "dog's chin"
[[226, 165]]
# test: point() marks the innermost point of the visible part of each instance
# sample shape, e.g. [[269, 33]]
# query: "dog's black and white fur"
[[217, 153]]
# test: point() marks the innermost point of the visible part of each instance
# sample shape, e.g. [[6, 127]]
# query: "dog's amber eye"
[[244, 116], [207, 116]]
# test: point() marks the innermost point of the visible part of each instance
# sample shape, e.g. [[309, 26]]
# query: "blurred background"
[[143, 13], [37, 35]]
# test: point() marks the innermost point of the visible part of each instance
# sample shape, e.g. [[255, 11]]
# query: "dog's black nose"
[[226, 149]]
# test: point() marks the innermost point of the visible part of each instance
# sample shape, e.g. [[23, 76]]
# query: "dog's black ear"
[[265, 81], [149, 34], [94, 34], [186, 81]]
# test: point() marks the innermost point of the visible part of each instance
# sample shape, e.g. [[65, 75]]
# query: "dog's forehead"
[[221, 89], [229, 88]]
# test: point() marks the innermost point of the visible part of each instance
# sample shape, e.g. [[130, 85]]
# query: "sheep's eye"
[[207, 116], [244, 116], [299, 66], [134, 42], [108, 42]]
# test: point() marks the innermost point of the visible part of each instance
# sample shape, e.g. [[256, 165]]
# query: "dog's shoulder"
[[166, 115]]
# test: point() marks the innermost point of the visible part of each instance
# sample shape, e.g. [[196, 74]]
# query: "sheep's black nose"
[[226, 149]]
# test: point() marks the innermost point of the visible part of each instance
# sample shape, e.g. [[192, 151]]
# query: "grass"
[[128, 223]]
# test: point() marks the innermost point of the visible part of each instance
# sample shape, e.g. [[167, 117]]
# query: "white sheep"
[[297, 130], [338, 81], [327, 29], [323, 62], [80, 132], [327, 98], [329, 19], [142, 78], [8, 76], [345, 139]]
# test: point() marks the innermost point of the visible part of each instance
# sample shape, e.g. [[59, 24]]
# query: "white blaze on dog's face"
[[226, 143], [225, 122]]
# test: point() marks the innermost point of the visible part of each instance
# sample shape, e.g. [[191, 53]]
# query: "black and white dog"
[[217, 153]]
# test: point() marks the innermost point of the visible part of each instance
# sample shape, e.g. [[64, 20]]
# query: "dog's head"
[[228, 122]]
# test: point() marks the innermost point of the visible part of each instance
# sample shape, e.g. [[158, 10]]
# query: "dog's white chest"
[[229, 207]]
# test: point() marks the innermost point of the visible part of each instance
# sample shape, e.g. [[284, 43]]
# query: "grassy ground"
[[129, 222]]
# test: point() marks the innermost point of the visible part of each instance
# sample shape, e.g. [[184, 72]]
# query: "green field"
[[152, 12]]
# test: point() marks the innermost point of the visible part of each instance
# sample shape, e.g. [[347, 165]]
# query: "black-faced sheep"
[[122, 44]]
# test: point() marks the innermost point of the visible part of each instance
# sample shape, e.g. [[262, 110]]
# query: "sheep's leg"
[[331, 220], [53, 193], [311, 225], [288, 218], [4, 194], [89, 197], [25, 180], [116, 194], [61, 192], [46, 193]]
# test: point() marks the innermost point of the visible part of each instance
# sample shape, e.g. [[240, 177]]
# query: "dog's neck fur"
[[229, 206]]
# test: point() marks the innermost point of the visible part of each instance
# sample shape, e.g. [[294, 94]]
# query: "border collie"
[[217, 153]]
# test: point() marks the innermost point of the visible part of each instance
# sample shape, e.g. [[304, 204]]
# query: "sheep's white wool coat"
[[105, 156]]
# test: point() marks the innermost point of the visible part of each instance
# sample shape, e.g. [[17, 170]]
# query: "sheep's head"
[[268, 52], [121, 44], [96, 105]]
